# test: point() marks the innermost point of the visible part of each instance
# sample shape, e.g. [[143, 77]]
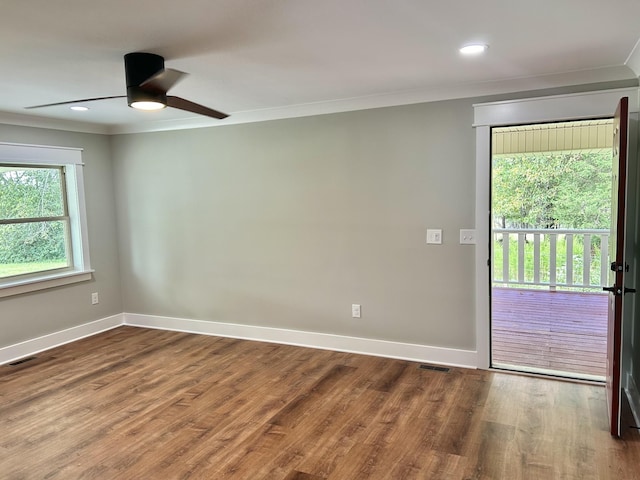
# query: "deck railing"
[[551, 257]]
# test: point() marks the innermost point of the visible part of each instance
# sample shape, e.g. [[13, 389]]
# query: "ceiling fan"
[[147, 85]]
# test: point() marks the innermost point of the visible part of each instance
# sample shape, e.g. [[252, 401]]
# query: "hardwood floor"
[[562, 332], [148, 404]]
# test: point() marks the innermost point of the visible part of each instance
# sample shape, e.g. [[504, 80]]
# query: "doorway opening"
[[551, 218]]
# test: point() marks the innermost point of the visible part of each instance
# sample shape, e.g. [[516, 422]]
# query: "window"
[[34, 220], [43, 240]]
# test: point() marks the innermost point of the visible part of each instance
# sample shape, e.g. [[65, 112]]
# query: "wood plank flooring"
[[148, 404], [554, 331]]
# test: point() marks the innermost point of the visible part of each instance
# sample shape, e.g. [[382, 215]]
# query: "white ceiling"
[[262, 59]]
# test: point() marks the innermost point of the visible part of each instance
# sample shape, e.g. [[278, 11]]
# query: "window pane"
[[33, 247], [30, 192]]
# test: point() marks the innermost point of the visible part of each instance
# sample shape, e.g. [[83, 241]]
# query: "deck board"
[[559, 331]]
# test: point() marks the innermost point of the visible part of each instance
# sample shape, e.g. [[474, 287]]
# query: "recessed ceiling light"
[[473, 49], [79, 108]]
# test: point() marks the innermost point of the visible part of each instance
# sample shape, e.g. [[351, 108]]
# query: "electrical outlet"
[[355, 310], [94, 298], [434, 236], [467, 237]]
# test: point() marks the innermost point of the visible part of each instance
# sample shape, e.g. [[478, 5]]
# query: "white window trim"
[[578, 106], [71, 159]]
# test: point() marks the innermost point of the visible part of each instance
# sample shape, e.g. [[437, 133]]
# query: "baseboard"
[[27, 348], [634, 398], [366, 346]]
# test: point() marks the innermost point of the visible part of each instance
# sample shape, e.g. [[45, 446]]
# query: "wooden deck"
[[550, 331]]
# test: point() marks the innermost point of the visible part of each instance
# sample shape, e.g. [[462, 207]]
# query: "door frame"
[[577, 106]]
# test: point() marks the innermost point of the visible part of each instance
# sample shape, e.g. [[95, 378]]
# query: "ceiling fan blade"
[[84, 100], [182, 104], [162, 81]]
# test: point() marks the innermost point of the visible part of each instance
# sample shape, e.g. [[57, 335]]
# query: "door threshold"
[[551, 374]]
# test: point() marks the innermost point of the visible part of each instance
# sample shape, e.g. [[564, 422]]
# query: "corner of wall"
[[633, 60], [33, 346]]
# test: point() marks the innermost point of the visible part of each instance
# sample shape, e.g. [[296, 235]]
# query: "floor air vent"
[[433, 367], [20, 362]]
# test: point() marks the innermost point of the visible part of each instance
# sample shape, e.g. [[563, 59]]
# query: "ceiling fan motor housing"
[[139, 67]]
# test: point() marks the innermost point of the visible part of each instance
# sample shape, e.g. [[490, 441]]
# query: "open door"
[[618, 265]]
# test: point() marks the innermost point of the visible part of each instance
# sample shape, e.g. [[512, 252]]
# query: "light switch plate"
[[467, 237], [434, 236]]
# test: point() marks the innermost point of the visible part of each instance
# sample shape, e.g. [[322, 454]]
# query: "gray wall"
[[287, 223], [32, 315], [631, 342], [629, 352], [282, 224]]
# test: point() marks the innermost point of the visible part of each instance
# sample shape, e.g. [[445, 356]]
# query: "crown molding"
[[431, 94], [633, 60], [52, 123], [450, 92]]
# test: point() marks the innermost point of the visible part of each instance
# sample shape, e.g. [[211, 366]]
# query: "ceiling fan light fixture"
[[141, 99], [147, 105], [147, 85], [474, 49]]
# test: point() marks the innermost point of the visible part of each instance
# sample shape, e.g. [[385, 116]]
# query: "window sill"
[[17, 287]]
